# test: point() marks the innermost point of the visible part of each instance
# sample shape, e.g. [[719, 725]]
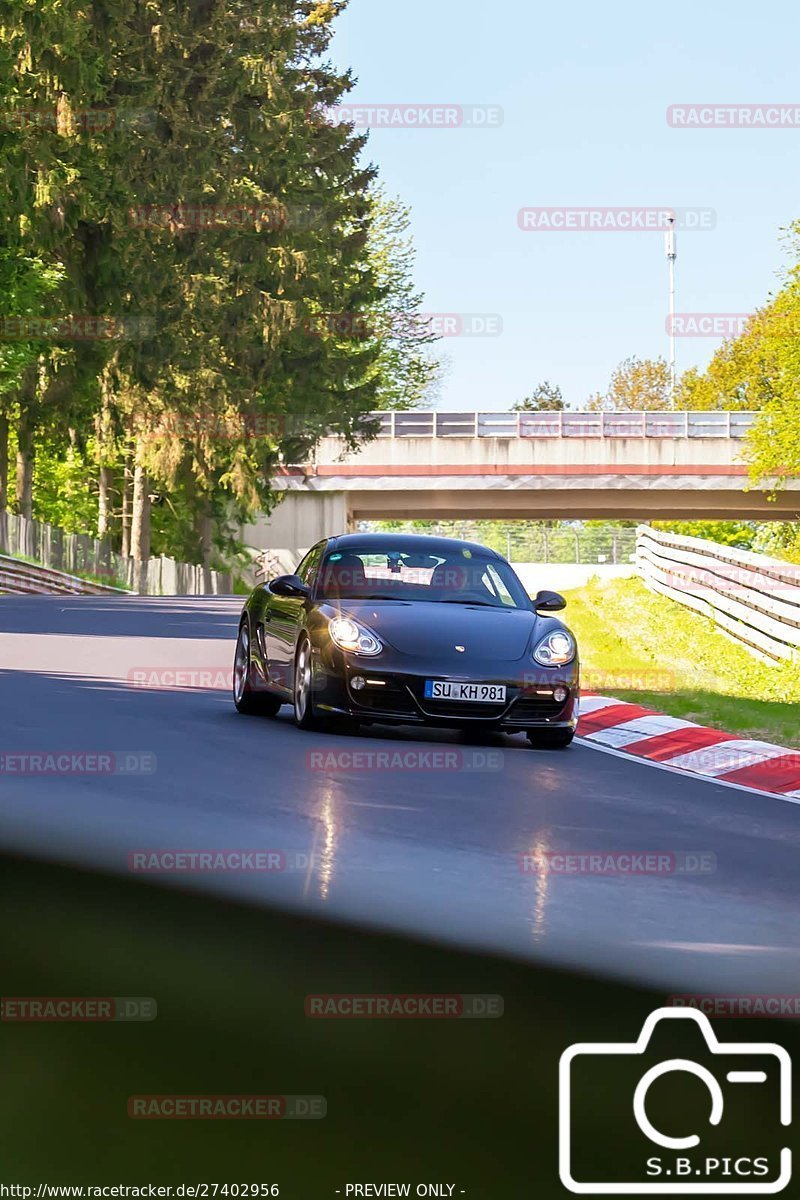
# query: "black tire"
[[550, 739], [302, 688], [247, 701]]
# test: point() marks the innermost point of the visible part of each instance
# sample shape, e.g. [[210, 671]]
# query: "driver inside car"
[[461, 582]]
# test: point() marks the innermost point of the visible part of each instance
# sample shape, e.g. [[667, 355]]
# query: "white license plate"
[[477, 693]]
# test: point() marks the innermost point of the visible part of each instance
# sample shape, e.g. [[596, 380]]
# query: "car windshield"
[[457, 576]]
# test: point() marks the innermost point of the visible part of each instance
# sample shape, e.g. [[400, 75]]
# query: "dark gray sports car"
[[408, 630]]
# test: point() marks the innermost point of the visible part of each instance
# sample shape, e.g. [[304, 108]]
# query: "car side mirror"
[[549, 602], [291, 586]]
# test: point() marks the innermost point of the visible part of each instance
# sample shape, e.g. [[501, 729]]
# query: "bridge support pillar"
[[298, 521]]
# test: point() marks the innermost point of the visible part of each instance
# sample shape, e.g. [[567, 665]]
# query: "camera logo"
[[740, 1089]]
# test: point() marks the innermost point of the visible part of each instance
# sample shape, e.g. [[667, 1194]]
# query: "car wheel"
[[304, 714], [550, 739], [247, 701]]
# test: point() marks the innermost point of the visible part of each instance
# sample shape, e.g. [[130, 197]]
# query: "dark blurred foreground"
[[472, 1102]]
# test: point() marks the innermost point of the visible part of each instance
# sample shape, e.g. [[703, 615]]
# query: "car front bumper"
[[395, 695]]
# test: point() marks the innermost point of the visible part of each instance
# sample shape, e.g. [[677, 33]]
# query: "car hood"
[[423, 628]]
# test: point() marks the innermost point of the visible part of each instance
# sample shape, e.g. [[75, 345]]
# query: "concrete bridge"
[[534, 466]]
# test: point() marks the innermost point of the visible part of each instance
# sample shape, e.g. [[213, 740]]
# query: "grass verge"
[[646, 649]]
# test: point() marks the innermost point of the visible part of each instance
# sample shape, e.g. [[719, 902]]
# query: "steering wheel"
[[474, 594]]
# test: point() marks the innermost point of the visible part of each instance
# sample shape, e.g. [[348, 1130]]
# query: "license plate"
[[477, 693]]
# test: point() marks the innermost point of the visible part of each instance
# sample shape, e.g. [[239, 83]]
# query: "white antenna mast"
[[671, 247]]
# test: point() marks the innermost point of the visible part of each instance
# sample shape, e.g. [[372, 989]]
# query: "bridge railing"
[[669, 424], [752, 598]]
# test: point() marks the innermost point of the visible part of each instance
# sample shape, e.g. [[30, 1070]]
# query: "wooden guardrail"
[[753, 599]]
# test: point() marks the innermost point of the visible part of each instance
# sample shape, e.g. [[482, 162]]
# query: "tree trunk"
[[25, 465], [127, 496], [104, 429], [140, 516], [3, 463], [203, 529], [103, 501], [25, 432]]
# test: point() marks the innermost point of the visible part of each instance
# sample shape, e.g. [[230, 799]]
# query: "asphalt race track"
[[435, 852]]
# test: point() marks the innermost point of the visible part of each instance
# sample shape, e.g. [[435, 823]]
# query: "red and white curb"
[[679, 745]]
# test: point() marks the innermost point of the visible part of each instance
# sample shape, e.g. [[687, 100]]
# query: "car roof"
[[407, 543]]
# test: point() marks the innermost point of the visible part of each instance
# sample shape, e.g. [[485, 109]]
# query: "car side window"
[[309, 567], [301, 568]]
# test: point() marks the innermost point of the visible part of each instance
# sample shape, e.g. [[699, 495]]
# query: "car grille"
[[388, 699], [395, 699], [461, 709], [534, 708]]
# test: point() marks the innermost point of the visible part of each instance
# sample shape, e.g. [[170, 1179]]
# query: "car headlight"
[[350, 636], [556, 649]]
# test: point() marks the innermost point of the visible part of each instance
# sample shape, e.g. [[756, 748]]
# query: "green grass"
[[649, 650]]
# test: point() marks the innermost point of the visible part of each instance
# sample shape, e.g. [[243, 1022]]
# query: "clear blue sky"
[[584, 88]]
